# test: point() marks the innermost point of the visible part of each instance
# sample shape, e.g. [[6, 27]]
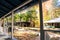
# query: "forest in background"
[[51, 9]]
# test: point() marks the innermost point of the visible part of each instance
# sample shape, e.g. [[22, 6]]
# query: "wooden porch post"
[[3, 24], [12, 25], [41, 21]]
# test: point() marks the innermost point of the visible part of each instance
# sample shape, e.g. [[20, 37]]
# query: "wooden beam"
[[12, 16], [3, 24], [41, 21]]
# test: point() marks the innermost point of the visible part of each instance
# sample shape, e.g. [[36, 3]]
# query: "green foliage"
[[16, 17], [29, 15]]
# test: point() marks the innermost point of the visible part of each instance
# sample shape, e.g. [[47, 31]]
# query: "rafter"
[[5, 6], [10, 3], [2, 11]]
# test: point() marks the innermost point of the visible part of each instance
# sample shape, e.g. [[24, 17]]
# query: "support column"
[[12, 25], [41, 21], [3, 24], [7, 25]]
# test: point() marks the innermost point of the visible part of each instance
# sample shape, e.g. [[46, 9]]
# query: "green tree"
[[21, 16], [31, 15], [16, 17]]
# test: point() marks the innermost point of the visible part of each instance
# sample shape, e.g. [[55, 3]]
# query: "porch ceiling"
[[8, 5]]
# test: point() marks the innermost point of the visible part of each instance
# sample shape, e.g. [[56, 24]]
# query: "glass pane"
[[51, 14]]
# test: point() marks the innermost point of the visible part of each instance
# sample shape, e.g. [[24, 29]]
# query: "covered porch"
[[8, 8]]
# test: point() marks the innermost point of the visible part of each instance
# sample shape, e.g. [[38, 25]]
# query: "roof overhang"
[[55, 20], [7, 6]]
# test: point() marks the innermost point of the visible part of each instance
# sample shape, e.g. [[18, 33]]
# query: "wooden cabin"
[[53, 22]]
